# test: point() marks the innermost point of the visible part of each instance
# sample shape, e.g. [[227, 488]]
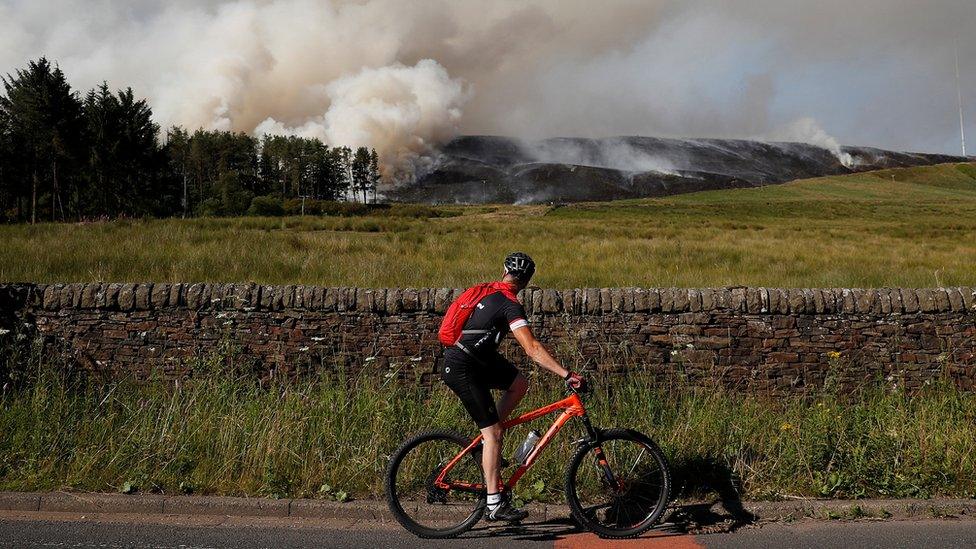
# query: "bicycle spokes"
[[622, 486]]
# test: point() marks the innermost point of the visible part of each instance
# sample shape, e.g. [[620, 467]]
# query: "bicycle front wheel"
[[417, 503], [618, 487]]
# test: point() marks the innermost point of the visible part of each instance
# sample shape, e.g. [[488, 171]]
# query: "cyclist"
[[473, 367]]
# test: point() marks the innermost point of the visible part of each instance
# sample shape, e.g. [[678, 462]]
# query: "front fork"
[[601, 459]]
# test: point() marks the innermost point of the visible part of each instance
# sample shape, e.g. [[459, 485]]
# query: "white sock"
[[494, 500]]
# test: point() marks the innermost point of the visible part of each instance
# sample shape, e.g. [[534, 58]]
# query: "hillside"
[[490, 169], [899, 227]]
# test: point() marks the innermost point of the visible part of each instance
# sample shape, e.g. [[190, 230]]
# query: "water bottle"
[[526, 448]]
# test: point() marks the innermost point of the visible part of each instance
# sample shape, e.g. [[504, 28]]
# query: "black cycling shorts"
[[472, 382]]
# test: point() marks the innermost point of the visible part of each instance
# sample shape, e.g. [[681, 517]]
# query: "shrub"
[[267, 206]]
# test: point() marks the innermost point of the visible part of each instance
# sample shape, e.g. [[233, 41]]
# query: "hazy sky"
[[407, 74]]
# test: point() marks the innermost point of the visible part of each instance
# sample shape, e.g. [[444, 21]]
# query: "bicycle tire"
[[397, 506], [584, 452]]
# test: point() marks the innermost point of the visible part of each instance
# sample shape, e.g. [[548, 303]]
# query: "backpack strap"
[[468, 352]]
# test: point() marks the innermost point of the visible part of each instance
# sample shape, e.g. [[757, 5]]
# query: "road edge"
[[161, 504]]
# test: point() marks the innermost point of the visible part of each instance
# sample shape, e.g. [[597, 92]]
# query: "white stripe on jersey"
[[517, 323]]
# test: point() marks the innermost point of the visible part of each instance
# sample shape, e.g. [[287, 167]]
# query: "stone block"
[[425, 299], [819, 304], [364, 299], [707, 299], [177, 295], [411, 302], [606, 304], [628, 299], [67, 297], [968, 298], [849, 302], [266, 298], [810, 306], [694, 300], [653, 300], [739, 299], [884, 302], [941, 300], [753, 301], [551, 301], [864, 300], [330, 299], [127, 297], [955, 299], [795, 301], [288, 297], [379, 300], [394, 301], [442, 298], [318, 299], [909, 299], [926, 300], [667, 299], [52, 297], [723, 298], [159, 295], [89, 296], [591, 301], [617, 300], [569, 302], [682, 299], [112, 296], [894, 297]]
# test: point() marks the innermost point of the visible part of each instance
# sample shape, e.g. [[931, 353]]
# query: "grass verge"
[[222, 432], [913, 227]]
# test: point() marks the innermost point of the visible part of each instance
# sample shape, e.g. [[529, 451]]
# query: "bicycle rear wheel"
[[640, 490], [420, 506]]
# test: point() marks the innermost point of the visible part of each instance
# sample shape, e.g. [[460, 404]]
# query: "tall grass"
[[911, 227], [223, 432]]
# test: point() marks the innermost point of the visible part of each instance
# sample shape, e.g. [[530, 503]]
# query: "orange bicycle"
[[617, 482]]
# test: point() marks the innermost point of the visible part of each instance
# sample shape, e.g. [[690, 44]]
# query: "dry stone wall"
[[757, 339]]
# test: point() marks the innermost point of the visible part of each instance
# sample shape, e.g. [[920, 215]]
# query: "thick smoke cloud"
[[405, 76]]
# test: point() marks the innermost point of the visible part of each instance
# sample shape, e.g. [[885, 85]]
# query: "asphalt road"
[[75, 530]]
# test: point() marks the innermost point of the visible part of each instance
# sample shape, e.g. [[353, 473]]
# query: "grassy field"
[[908, 227], [221, 432]]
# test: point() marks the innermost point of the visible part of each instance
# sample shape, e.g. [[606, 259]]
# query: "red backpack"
[[462, 307]]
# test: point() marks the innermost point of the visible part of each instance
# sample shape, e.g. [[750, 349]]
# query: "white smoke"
[[881, 75], [403, 112], [615, 154], [808, 130]]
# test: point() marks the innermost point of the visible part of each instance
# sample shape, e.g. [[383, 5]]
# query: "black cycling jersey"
[[493, 317], [473, 377]]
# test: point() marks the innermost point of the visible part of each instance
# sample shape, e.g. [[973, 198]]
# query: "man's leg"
[[512, 396], [491, 454]]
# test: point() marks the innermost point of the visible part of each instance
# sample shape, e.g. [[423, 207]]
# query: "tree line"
[[66, 156]]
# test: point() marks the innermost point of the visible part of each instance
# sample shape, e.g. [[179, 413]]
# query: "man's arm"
[[537, 352]]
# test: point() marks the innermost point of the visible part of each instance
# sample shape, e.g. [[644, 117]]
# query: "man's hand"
[[576, 381]]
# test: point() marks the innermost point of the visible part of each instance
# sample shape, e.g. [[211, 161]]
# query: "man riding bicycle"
[[473, 367]]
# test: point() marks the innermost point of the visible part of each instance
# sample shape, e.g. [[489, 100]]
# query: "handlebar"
[[585, 389]]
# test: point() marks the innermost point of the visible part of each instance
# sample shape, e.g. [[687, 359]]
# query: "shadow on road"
[[700, 479], [722, 511], [552, 530]]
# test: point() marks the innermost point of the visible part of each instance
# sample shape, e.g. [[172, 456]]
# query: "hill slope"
[[900, 227], [488, 169]]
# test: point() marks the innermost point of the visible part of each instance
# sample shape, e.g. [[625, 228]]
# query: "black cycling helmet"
[[520, 266]]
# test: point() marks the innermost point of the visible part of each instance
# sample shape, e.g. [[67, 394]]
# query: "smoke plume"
[[403, 112], [406, 76]]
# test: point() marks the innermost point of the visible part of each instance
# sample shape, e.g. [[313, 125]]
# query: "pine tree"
[[43, 115], [374, 172], [360, 171]]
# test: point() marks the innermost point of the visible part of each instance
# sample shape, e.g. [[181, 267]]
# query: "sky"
[[405, 76]]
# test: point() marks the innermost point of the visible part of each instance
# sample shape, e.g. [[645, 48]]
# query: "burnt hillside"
[[490, 169]]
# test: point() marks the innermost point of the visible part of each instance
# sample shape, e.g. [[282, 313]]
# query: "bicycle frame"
[[572, 406]]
